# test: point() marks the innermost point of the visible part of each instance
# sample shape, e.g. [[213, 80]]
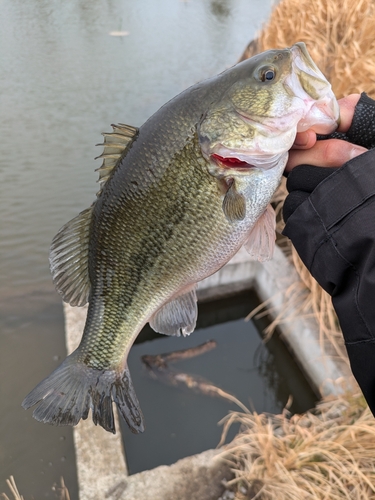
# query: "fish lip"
[[306, 61], [319, 98]]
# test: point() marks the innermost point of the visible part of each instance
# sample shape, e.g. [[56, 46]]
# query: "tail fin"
[[73, 388]]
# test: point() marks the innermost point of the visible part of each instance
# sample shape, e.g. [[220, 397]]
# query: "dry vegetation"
[[340, 38], [326, 454], [60, 490]]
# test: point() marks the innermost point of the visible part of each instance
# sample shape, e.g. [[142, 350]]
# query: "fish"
[[178, 197]]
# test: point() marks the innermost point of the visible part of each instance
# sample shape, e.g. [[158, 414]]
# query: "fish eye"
[[267, 74]]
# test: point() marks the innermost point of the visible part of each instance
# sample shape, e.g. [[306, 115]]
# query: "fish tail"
[[73, 388]]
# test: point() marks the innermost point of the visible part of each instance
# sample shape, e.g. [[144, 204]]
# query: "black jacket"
[[333, 231]]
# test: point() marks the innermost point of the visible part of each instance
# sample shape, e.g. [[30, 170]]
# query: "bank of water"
[[63, 80]]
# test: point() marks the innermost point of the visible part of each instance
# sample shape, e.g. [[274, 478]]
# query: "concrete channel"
[[101, 464]]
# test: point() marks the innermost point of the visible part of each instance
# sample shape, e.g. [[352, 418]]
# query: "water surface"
[[63, 81]]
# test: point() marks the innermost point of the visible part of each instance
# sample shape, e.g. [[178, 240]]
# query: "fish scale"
[[178, 198]]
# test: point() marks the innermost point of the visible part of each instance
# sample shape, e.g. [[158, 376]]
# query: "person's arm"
[[330, 219]]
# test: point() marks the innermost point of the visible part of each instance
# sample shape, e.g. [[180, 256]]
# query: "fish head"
[[265, 101]]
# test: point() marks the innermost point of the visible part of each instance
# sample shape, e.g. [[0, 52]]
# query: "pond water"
[[63, 80], [181, 421]]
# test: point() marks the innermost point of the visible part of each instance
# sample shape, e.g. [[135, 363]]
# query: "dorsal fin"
[[70, 247], [116, 145], [69, 259]]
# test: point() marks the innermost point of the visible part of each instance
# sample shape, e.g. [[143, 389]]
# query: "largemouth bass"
[[178, 198]]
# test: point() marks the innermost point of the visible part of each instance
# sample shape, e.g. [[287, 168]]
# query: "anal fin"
[[178, 316], [261, 241]]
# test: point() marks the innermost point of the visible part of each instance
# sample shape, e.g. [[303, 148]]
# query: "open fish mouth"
[[244, 161], [232, 162]]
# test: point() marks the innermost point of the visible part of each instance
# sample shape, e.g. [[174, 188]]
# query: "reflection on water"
[[64, 80]]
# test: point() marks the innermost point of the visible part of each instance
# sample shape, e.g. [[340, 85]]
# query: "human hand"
[[311, 161], [327, 153]]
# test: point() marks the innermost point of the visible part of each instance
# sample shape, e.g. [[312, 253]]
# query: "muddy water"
[[63, 80]]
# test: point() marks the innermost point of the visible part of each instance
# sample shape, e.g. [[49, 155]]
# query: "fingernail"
[[302, 139], [356, 151]]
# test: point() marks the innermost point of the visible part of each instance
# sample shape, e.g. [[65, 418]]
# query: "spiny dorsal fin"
[[69, 259], [116, 145], [70, 246]]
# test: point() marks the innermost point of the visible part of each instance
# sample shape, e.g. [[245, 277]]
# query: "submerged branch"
[[158, 368]]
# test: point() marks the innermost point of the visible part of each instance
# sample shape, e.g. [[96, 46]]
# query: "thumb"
[[329, 153]]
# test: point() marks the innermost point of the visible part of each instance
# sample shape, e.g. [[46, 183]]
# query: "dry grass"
[[326, 454], [340, 37], [61, 490], [13, 489], [304, 298]]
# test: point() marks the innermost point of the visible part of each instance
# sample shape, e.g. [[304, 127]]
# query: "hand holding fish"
[[329, 216], [311, 160], [306, 150]]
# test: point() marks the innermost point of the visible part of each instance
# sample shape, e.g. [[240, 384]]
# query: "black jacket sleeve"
[[333, 230]]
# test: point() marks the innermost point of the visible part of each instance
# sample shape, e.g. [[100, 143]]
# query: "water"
[[181, 422], [63, 81]]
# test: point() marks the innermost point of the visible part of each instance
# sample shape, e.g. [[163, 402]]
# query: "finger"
[[329, 153], [304, 140], [347, 106]]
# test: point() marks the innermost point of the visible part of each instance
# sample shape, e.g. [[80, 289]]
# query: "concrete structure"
[[101, 464]]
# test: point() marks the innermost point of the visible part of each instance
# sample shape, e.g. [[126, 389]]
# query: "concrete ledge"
[[99, 454], [101, 463], [193, 478], [325, 372]]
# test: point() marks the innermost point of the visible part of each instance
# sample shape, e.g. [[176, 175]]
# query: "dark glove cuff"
[[307, 177], [301, 182], [362, 129]]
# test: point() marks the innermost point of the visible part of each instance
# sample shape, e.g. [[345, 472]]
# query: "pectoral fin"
[[178, 316], [261, 241], [234, 204]]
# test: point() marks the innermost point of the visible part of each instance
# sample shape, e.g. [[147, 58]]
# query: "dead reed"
[[325, 454], [339, 37], [13, 489], [60, 490]]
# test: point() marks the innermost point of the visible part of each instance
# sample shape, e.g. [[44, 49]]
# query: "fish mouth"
[[243, 161], [231, 162], [309, 84]]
